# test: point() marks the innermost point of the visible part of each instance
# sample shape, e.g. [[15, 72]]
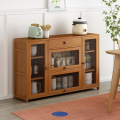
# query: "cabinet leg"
[[98, 88], [26, 101]]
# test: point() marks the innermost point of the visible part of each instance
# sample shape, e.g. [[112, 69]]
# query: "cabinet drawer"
[[64, 43]]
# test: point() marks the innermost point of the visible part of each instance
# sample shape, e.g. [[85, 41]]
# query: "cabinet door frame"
[[78, 66], [38, 95], [97, 62], [67, 90]]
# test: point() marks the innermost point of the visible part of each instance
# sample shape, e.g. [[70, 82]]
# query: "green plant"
[[55, 1], [112, 19]]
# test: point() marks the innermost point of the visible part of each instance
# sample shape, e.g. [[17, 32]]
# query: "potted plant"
[[112, 19]]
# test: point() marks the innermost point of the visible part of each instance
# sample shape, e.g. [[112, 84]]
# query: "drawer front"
[[64, 43]]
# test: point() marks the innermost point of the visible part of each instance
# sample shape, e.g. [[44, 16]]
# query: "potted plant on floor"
[[112, 19]]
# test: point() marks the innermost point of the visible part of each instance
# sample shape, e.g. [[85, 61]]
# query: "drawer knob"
[[64, 42], [65, 90], [65, 67], [46, 68], [83, 63]]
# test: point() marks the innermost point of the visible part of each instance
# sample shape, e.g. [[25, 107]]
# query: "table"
[[115, 76]]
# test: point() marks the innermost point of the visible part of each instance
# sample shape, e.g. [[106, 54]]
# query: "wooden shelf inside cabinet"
[[37, 78], [38, 57], [90, 70], [89, 51]]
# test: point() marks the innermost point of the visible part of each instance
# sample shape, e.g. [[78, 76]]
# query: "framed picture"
[[56, 5]]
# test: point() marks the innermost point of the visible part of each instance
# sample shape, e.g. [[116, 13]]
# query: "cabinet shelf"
[[38, 57], [90, 70], [37, 78], [89, 51]]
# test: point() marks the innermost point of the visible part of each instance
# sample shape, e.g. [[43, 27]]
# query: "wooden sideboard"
[[46, 67]]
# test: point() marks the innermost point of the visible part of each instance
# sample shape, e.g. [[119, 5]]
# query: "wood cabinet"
[[58, 65]]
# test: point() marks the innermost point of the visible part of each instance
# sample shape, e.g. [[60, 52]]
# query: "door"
[[64, 59], [64, 70], [91, 59], [64, 82], [37, 69]]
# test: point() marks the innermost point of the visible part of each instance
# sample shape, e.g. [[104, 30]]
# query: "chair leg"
[[114, 82]]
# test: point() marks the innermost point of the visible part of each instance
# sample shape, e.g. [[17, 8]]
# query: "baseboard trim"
[[6, 97]]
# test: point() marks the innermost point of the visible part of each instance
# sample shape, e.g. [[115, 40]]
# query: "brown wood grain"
[[56, 43]]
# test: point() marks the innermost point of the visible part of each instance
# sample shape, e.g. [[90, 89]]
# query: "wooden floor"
[[11, 105]]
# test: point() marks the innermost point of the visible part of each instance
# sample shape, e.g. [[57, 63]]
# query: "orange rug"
[[92, 108]]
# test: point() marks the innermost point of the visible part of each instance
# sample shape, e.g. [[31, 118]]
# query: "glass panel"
[[90, 60], [90, 54], [37, 69], [90, 78], [67, 58], [37, 50], [64, 81], [37, 86], [90, 44]]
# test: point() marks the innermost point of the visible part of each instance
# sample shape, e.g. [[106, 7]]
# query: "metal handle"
[[64, 42]]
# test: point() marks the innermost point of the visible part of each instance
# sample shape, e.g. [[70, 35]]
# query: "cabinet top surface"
[[114, 52], [59, 36]]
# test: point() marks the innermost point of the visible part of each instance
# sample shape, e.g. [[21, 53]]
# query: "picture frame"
[[56, 5]]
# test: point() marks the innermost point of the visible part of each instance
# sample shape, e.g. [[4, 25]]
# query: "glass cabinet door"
[[65, 58], [65, 82], [38, 82], [90, 68]]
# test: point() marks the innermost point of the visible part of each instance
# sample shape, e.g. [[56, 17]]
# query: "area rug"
[[92, 108]]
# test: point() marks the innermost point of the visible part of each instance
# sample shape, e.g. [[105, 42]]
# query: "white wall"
[[15, 18]]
